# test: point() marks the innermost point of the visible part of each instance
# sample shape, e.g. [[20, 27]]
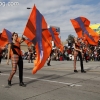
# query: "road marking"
[[69, 84]]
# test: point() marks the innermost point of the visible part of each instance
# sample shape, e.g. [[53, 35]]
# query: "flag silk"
[[36, 30], [85, 41], [55, 38], [28, 42], [5, 37], [79, 23], [81, 26], [94, 34]]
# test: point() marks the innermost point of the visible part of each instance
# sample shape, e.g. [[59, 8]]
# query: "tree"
[[70, 38]]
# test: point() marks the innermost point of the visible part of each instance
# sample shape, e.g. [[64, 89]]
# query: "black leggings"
[[0, 58], [81, 60], [31, 57], [20, 65]]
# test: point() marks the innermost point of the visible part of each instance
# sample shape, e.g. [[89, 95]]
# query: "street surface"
[[55, 82]]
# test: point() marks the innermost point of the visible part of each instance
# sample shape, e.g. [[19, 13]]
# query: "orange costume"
[[15, 53]]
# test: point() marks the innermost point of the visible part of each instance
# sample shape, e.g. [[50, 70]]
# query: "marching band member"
[[16, 58], [78, 52]]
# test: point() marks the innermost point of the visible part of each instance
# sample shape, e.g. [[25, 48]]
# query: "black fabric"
[[52, 51], [13, 48], [20, 65], [0, 58], [31, 55], [20, 62], [85, 55], [99, 42], [81, 60]]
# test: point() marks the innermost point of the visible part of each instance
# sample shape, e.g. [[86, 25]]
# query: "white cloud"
[[56, 13]]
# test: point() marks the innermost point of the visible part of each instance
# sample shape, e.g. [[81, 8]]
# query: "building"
[[96, 27], [24, 47]]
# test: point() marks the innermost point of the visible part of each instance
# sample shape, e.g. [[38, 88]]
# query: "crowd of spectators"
[[92, 53]]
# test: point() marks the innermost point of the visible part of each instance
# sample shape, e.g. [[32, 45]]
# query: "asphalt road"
[[55, 82]]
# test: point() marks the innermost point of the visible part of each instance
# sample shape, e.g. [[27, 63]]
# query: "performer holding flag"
[[15, 52], [78, 52]]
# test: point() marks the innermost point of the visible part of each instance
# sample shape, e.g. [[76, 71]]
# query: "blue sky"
[[56, 13]]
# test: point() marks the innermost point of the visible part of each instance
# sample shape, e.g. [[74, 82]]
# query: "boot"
[[83, 71], [22, 84], [9, 83], [48, 64], [75, 71]]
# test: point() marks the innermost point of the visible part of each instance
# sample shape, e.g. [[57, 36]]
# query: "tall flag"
[[5, 37], [55, 38], [81, 26], [28, 42], [36, 30]]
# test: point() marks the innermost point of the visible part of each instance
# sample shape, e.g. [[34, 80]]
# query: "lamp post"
[[29, 8]]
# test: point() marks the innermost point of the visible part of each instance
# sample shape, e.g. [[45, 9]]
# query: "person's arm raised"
[[22, 39]]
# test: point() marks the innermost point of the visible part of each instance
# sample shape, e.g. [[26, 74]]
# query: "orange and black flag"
[[28, 42], [36, 30], [80, 23], [93, 34], [55, 38], [81, 26], [5, 37]]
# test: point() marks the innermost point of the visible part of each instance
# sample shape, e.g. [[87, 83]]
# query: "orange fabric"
[[77, 28], [28, 43], [94, 35], [30, 29], [4, 38], [86, 21], [19, 39], [57, 40], [17, 50], [3, 41], [47, 47], [81, 26], [90, 41], [30, 32], [0, 50], [58, 43]]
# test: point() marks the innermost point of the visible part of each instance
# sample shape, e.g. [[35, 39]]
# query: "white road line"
[[69, 84]]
